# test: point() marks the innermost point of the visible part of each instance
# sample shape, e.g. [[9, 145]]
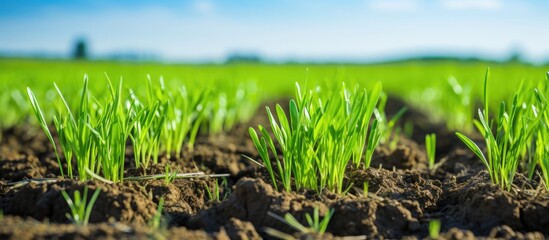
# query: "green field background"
[[410, 80]]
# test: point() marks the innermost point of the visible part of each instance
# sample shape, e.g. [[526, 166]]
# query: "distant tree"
[[515, 57], [80, 49], [243, 58]]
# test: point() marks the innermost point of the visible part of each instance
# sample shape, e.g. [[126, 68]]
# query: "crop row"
[[516, 138], [94, 130], [325, 130]]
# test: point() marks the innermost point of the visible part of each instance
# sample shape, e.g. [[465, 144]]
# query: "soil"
[[404, 195]]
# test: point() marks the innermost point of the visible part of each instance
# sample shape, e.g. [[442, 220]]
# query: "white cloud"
[[472, 4], [204, 6], [394, 5]]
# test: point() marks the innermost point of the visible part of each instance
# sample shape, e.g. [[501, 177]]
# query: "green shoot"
[[146, 132], [218, 112], [111, 133], [79, 205], [392, 134], [365, 189], [15, 108], [44, 125], [457, 103], [434, 229], [74, 132], [169, 175], [322, 134], [450, 103], [431, 147], [182, 112], [229, 104], [316, 225], [95, 134], [542, 154], [215, 194], [542, 135], [156, 222], [514, 130]]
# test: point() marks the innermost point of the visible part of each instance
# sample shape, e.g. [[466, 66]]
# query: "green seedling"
[[215, 194], [514, 130], [391, 134], [365, 189], [434, 229], [156, 222], [74, 131], [44, 125], [316, 224], [542, 154], [169, 175], [15, 108], [430, 148], [111, 133], [322, 134], [230, 104], [183, 114], [95, 134], [146, 131], [79, 205], [457, 106], [541, 151]]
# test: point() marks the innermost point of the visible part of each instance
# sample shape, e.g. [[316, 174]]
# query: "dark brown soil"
[[403, 197], [19, 228]]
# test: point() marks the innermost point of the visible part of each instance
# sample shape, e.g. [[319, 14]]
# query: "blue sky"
[[279, 30]]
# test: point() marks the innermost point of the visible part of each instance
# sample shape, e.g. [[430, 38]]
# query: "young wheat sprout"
[[324, 132], [316, 224], [515, 127], [79, 205], [431, 147]]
